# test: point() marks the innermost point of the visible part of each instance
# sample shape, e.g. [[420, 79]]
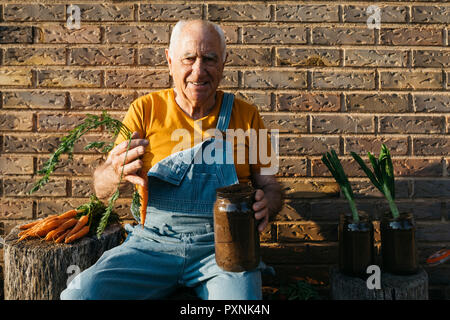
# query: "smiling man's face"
[[197, 65]]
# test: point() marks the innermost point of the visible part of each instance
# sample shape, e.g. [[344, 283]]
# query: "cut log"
[[40, 270], [393, 287]]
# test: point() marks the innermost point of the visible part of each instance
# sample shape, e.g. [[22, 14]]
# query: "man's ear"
[[169, 61]]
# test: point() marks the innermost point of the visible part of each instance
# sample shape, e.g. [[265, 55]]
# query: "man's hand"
[[107, 176], [261, 210], [267, 198]]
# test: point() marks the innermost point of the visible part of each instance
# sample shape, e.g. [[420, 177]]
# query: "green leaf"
[[367, 171]]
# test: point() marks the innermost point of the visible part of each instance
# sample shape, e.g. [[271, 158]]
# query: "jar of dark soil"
[[398, 244], [356, 245], [236, 235]]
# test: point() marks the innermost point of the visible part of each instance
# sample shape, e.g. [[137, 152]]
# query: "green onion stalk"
[[333, 164], [382, 176]]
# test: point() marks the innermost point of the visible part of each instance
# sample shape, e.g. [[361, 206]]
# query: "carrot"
[[47, 227], [77, 235], [80, 224], [62, 237], [143, 193], [29, 225], [68, 214], [62, 227]]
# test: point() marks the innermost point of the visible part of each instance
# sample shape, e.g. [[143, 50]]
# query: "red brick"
[[308, 57], [169, 12], [307, 145], [152, 57], [249, 57], [362, 145], [61, 34], [35, 56], [239, 12], [86, 100], [343, 80], [418, 167], [306, 231], [411, 124], [415, 80], [307, 13], [136, 79], [342, 124], [136, 34], [68, 78], [292, 167], [102, 56], [80, 165], [15, 34], [16, 121], [431, 14], [389, 14], [339, 35], [309, 102], [411, 36], [431, 58], [279, 80], [34, 12], [106, 12], [375, 58], [262, 100], [429, 146], [351, 168], [286, 123], [274, 35], [14, 208], [11, 164], [379, 103], [12, 77], [20, 186], [34, 99], [58, 122]]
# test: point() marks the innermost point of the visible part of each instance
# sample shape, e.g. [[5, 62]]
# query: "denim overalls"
[[176, 247]]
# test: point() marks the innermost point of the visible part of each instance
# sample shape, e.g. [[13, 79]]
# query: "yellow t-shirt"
[[158, 118]]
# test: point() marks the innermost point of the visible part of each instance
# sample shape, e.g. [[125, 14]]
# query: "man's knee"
[[232, 286]]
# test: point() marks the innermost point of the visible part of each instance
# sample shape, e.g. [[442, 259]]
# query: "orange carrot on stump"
[[68, 214], [69, 223], [80, 224], [62, 237], [77, 235]]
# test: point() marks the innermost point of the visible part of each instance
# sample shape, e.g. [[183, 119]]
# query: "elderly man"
[[176, 246]]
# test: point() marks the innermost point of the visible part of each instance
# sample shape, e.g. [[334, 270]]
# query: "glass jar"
[[236, 235], [398, 244], [356, 245]]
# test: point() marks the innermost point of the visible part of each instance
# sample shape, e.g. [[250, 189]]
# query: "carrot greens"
[[67, 145]]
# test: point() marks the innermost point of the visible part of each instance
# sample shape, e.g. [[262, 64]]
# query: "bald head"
[[187, 26]]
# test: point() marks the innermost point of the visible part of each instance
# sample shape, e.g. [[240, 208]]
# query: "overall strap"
[[225, 111]]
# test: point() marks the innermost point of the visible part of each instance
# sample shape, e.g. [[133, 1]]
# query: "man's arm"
[[268, 198]]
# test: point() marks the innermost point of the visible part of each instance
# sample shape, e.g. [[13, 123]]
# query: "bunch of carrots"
[[58, 228]]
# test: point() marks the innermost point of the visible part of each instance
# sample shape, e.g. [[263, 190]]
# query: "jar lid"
[[241, 189]]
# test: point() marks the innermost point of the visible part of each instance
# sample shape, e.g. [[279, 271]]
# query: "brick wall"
[[315, 69]]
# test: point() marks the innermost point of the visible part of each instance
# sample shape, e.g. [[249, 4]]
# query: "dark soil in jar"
[[398, 244], [235, 229], [356, 245]]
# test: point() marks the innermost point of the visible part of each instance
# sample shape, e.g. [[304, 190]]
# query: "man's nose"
[[198, 68]]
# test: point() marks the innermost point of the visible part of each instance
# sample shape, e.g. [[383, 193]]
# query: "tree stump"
[[393, 287], [40, 270]]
